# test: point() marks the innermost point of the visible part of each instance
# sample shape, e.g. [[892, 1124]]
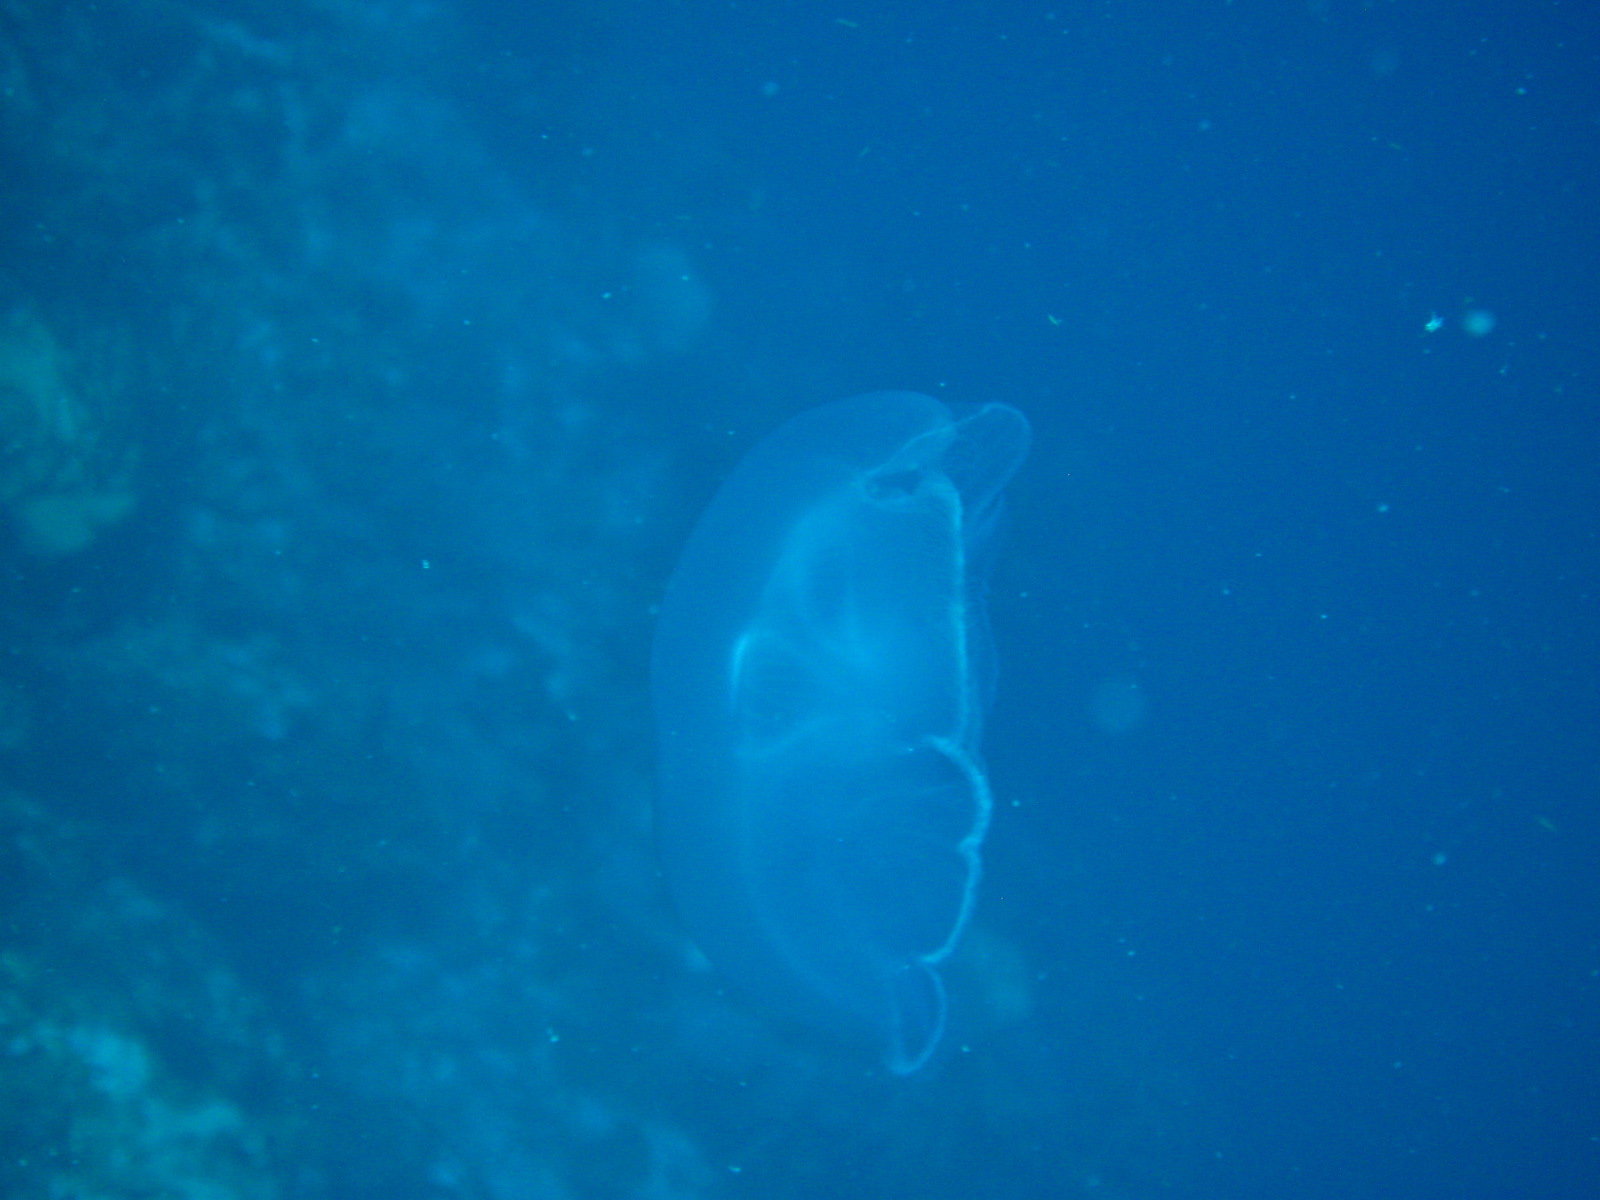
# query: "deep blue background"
[[1339, 884], [1294, 880]]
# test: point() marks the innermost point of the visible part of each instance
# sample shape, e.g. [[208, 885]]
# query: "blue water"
[[388, 358]]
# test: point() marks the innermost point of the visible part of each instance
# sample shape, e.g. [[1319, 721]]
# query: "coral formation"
[[100, 1097], [65, 474]]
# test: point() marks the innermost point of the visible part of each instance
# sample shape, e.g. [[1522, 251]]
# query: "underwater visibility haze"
[[481, 718]]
